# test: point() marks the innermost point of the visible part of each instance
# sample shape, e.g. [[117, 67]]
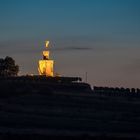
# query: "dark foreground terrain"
[[82, 115], [68, 115]]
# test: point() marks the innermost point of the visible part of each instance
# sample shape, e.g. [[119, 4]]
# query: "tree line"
[[116, 91]]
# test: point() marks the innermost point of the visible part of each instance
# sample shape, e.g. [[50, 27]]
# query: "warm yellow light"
[[46, 67], [47, 44], [46, 54]]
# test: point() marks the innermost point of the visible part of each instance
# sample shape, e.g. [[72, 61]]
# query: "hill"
[[67, 115]]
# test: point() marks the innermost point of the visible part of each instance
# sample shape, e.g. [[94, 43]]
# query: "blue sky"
[[101, 37]]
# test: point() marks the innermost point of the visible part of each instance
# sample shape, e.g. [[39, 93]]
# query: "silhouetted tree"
[[8, 67]]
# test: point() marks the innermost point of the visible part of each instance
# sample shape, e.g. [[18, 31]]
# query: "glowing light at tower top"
[[47, 44]]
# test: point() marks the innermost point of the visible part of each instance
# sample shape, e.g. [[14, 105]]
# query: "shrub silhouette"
[[8, 67]]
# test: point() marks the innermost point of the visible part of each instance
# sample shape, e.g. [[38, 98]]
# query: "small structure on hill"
[[46, 65]]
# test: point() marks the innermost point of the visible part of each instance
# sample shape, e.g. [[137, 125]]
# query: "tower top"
[[47, 44]]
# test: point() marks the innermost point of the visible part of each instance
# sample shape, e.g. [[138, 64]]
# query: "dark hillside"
[[41, 84], [66, 115]]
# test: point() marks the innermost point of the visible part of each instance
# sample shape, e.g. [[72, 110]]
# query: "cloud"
[[72, 48]]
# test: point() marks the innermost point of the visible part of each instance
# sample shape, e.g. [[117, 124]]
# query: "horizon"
[[101, 38]]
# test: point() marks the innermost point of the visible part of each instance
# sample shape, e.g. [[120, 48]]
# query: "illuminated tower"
[[46, 65]]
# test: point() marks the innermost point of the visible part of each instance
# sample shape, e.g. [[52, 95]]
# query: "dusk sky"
[[100, 37]]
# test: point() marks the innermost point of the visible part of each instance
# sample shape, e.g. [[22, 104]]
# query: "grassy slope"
[[70, 114]]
